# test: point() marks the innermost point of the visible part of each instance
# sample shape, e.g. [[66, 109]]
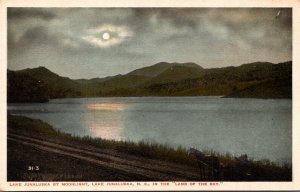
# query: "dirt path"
[[115, 161]]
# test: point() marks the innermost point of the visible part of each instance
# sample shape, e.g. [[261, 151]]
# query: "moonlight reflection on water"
[[112, 127]]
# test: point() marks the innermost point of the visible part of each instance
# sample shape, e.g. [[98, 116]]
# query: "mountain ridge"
[[160, 79]]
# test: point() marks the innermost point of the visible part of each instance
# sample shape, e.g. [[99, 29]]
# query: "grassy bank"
[[233, 168], [37, 127]]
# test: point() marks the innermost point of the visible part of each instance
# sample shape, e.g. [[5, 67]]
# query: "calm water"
[[259, 128]]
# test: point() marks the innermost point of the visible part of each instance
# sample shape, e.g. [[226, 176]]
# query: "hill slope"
[[270, 89], [57, 86], [25, 88]]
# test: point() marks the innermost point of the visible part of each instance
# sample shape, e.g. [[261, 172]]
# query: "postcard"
[[149, 95]]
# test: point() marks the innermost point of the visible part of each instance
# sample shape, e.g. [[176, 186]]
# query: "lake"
[[257, 127]]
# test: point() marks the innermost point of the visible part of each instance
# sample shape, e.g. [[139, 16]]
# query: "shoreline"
[[164, 96]]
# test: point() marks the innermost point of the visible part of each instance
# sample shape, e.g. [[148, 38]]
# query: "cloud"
[[37, 35], [72, 38], [21, 13], [70, 43], [40, 37], [115, 35]]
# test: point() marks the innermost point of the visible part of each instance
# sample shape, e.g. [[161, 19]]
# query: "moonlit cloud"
[[116, 35], [70, 43]]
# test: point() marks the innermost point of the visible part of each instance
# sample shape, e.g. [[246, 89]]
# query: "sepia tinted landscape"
[[149, 94]]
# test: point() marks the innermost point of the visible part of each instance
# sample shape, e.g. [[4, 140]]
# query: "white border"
[[295, 4]]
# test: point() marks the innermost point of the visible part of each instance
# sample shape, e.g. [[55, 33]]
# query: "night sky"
[[99, 42]]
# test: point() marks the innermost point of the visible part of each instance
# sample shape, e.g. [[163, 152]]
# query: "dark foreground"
[[37, 152]]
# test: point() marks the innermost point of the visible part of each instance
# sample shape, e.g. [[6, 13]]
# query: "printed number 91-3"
[[33, 168]]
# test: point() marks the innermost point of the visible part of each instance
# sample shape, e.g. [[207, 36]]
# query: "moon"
[[106, 36]]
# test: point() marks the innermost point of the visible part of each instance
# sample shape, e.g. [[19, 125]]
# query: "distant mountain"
[[255, 80], [177, 73], [159, 68]]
